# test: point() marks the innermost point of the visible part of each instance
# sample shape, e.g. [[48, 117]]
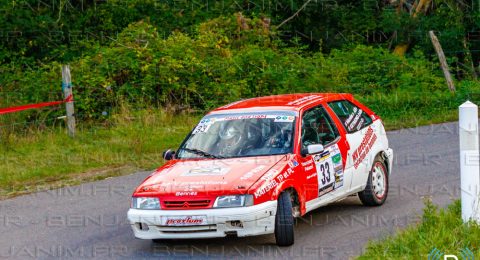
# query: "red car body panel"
[[180, 183]]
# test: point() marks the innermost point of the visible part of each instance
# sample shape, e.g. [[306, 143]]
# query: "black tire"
[[157, 241], [284, 221], [373, 194]]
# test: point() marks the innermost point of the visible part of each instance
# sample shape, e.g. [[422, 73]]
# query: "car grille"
[[186, 204], [187, 229]]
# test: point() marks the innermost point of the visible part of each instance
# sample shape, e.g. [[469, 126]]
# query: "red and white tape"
[[34, 106]]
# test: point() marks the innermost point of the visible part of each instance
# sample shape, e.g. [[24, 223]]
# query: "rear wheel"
[[376, 191], [284, 221]]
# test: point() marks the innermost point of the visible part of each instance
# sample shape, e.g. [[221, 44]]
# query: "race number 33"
[[325, 170], [325, 173]]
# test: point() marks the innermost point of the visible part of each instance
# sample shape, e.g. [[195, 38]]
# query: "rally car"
[[250, 167]]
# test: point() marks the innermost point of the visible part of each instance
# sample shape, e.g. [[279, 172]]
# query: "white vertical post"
[[469, 161], [68, 95]]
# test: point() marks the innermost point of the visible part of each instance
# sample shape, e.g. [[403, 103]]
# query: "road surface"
[[89, 220]]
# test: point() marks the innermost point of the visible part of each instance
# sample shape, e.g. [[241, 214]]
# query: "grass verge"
[[124, 144], [442, 229]]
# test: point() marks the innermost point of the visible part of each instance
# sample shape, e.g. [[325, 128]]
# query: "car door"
[[359, 133], [323, 170]]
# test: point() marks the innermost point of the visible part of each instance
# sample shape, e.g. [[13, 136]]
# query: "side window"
[[317, 128], [352, 117]]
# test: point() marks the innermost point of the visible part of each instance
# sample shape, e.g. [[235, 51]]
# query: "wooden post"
[[443, 60], [68, 95]]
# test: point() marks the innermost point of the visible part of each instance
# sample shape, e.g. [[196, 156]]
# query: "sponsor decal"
[[351, 116], [186, 193], [311, 176], [206, 123], [185, 220], [320, 157], [203, 126], [213, 171], [266, 188], [338, 179], [269, 175], [329, 170], [338, 168], [302, 100], [337, 159], [285, 174], [364, 147], [244, 117], [293, 164], [361, 123], [252, 172], [325, 174], [326, 189], [338, 184], [284, 119], [353, 119], [308, 168], [335, 149], [272, 181], [307, 163]]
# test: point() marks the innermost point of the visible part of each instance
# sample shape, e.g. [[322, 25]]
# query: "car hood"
[[207, 177]]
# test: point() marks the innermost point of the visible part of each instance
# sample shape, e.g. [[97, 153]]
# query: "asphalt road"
[[89, 221]]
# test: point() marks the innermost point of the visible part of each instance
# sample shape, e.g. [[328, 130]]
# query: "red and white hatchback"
[[250, 167]]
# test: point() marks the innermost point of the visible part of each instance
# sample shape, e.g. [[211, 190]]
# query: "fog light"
[[236, 223], [142, 226]]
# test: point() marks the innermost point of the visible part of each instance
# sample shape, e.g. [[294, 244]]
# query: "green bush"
[[223, 62]]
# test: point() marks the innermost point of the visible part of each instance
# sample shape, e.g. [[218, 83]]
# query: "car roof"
[[293, 102]]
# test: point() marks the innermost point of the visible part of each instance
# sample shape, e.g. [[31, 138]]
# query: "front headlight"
[[145, 203], [231, 201]]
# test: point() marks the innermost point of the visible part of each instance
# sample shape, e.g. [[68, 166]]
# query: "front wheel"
[[284, 221], [376, 191]]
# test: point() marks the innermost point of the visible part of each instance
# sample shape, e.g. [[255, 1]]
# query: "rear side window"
[[351, 116]]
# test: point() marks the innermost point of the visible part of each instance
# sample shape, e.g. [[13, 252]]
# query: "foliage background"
[[195, 55]]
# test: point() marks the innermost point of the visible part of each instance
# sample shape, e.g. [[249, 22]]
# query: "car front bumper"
[[242, 221]]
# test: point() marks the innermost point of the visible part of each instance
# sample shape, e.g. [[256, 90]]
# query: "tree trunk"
[[443, 61], [468, 58]]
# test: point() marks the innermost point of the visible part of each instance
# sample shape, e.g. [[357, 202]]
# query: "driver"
[[230, 139]]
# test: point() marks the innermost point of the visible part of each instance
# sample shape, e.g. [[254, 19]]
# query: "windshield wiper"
[[202, 153]]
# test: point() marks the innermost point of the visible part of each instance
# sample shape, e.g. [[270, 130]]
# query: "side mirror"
[[315, 148], [169, 154]]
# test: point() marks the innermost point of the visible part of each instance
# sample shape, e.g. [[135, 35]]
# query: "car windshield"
[[240, 135]]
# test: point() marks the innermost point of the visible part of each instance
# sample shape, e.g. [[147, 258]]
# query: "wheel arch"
[[298, 200], [382, 155]]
